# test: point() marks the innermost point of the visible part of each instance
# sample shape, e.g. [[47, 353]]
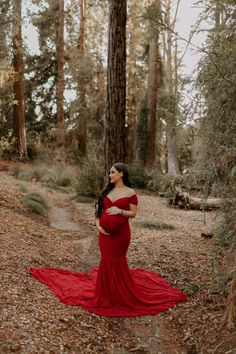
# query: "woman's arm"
[[126, 213]]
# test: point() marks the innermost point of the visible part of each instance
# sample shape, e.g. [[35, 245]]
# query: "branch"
[[198, 48], [176, 13]]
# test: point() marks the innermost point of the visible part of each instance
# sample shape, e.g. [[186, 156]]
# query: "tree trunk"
[[19, 100], [116, 85], [82, 27], [217, 15], [132, 100], [152, 101], [169, 72], [82, 120], [172, 82], [60, 85], [173, 163]]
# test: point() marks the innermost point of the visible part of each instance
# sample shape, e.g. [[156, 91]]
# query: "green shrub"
[[84, 199], [159, 182], [34, 206], [41, 172], [23, 189], [56, 175], [91, 178], [156, 225], [16, 172], [37, 197], [36, 203], [23, 172], [7, 145], [63, 175], [138, 177]]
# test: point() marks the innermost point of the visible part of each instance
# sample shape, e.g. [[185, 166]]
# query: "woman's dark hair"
[[120, 167]]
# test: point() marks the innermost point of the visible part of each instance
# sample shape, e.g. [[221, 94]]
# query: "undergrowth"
[[57, 175], [91, 178], [84, 199], [36, 203], [156, 225]]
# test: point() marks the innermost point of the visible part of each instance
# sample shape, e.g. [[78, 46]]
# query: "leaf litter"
[[33, 320]]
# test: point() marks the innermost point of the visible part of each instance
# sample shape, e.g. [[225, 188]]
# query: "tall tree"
[[19, 100], [4, 30], [82, 118], [136, 75], [147, 127], [5, 68], [116, 84], [60, 85], [171, 89], [152, 99]]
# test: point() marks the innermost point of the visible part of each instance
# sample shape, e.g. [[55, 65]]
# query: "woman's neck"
[[119, 184]]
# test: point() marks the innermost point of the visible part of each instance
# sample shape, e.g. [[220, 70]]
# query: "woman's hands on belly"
[[112, 223]]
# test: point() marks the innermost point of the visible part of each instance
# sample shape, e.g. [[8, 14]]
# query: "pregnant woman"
[[113, 289]]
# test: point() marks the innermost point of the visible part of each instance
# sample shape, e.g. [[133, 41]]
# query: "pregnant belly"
[[112, 223]]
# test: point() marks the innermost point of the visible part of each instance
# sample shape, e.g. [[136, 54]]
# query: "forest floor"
[[33, 320]]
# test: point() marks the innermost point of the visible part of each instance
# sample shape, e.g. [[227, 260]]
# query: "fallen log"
[[186, 201]]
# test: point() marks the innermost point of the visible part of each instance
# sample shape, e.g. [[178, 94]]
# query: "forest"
[[104, 81]]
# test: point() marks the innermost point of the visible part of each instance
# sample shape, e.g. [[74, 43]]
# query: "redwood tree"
[[60, 85], [18, 87], [172, 92], [147, 127], [116, 84], [134, 77], [152, 99], [82, 119]]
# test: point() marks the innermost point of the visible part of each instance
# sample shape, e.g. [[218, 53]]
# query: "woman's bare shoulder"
[[130, 191]]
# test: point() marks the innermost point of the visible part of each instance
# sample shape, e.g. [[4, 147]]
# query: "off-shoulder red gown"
[[112, 289]]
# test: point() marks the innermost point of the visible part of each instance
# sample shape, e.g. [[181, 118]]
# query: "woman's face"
[[114, 175]]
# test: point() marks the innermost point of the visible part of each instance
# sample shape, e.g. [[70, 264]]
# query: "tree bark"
[[172, 85], [116, 85], [152, 101], [60, 85], [173, 163], [19, 100], [132, 104], [82, 119], [82, 27]]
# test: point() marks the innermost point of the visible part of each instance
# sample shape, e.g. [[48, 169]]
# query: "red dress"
[[112, 289]]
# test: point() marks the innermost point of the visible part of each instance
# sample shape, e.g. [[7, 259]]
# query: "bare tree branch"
[[176, 13], [202, 50]]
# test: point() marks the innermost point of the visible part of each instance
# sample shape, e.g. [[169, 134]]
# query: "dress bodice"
[[122, 203], [114, 223]]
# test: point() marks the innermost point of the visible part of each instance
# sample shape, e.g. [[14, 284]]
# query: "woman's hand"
[[113, 211], [100, 229]]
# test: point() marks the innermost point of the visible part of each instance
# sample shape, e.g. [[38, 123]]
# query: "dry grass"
[[60, 175]]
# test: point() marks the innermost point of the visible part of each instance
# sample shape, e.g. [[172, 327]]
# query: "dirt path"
[[34, 321]]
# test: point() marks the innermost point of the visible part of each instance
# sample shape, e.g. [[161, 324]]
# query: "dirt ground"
[[33, 320]]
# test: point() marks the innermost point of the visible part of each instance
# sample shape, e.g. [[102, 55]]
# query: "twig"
[[219, 345]]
